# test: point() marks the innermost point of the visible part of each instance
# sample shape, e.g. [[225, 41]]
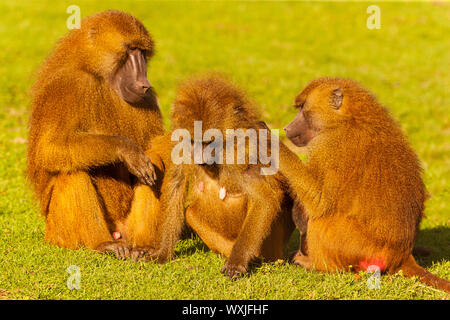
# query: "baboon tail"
[[410, 268]]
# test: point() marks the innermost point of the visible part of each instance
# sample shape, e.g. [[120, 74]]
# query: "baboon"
[[93, 114], [237, 211], [361, 184]]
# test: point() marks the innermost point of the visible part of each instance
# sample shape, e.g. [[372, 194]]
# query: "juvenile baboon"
[[93, 112], [361, 185], [235, 210]]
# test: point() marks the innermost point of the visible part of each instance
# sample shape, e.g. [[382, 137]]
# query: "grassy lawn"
[[273, 50]]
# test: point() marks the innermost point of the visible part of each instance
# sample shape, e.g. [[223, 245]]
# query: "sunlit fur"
[[254, 219], [361, 184], [76, 120], [210, 98]]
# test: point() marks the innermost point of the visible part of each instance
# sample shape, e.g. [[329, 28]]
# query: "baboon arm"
[[302, 182], [173, 196], [262, 209], [80, 151]]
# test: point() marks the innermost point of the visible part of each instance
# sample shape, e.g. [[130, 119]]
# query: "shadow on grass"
[[293, 244], [437, 240], [189, 245]]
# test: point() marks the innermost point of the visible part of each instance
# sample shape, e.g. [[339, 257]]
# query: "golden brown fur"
[[254, 219], [83, 136], [361, 185]]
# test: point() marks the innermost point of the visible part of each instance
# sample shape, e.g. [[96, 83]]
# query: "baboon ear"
[[92, 33], [237, 109], [336, 98]]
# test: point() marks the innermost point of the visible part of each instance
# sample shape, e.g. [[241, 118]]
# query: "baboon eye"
[[237, 109], [300, 105], [336, 98]]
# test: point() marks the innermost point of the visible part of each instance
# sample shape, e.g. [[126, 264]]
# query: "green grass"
[[273, 50]]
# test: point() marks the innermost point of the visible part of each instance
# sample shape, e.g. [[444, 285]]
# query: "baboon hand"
[[233, 271], [119, 248], [147, 253], [137, 162]]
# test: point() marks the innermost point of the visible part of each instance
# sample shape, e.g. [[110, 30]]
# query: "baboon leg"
[[213, 240], [145, 218], [115, 190], [300, 218], [75, 215], [304, 244]]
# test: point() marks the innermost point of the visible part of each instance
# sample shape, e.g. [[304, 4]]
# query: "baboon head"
[[218, 105], [325, 104], [116, 48]]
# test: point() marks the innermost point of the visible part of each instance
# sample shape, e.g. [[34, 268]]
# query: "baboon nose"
[[143, 85]]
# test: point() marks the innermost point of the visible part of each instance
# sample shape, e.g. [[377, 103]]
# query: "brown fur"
[[254, 219], [145, 217], [84, 137], [361, 185]]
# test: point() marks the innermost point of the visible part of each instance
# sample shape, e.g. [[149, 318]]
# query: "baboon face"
[[317, 110], [118, 49], [217, 116], [299, 131], [130, 80]]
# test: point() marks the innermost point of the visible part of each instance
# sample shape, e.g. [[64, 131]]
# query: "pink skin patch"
[[116, 235], [222, 193], [201, 186], [372, 264]]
